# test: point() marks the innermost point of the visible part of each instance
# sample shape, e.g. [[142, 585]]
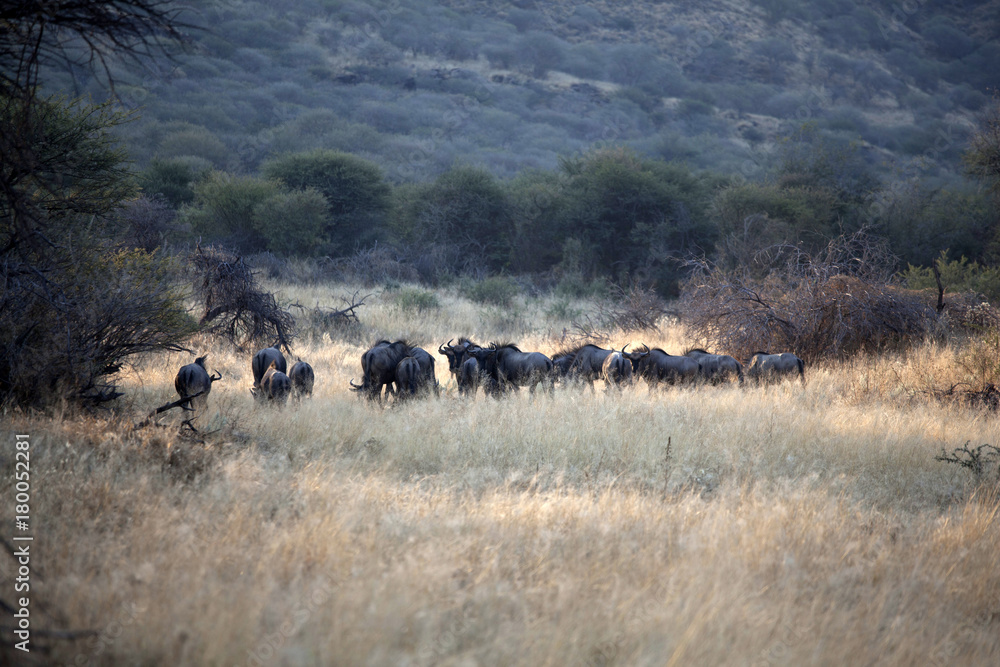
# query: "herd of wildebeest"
[[404, 371]]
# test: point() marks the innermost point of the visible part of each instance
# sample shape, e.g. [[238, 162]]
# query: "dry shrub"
[[632, 308], [969, 312], [976, 380], [148, 222], [236, 308], [67, 333], [836, 302], [375, 266], [337, 323]]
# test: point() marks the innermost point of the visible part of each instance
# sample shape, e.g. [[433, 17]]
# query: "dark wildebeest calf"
[[303, 378], [408, 378], [379, 367], [427, 379], [193, 380]]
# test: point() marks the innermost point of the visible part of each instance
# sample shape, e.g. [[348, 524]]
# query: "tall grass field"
[[787, 524]]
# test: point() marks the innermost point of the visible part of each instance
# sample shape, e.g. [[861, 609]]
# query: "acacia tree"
[[74, 303]]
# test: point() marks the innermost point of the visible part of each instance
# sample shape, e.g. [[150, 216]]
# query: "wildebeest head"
[[194, 380], [635, 357], [456, 353]]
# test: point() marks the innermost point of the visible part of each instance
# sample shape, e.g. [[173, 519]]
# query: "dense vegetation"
[[577, 145], [478, 137]]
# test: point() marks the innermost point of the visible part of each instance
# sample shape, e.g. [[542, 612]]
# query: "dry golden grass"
[[781, 525]]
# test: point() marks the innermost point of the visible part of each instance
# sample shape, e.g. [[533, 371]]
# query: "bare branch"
[[235, 306]]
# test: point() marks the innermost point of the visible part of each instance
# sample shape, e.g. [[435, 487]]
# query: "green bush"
[[355, 190], [631, 215], [493, 291], [194, 141], [919, 221], [292, 223], [573, 285], [415, 299], [173, 179], [957, 275], [224, 206], [466, 210], [75, 307]]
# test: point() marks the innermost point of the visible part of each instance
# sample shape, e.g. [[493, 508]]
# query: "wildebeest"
[[275, 385], [506, 367], [408, 377], [462, 365], [716, 368], [765, 367], [587, 362], [655, 366], [562, 362], [303, 378], [469, 374], [262, 361], [378, 366], [379, 363], [427, 378], [455, 353], [194, 380], [617, 370]]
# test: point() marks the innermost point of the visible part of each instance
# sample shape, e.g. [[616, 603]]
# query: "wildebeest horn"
[[441, 348], [355, 386], [215, 377], [623, 348]]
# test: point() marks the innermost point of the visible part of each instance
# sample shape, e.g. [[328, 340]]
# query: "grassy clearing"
[[719, 525]]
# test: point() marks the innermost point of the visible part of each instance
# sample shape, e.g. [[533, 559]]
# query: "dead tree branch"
[[235, 306]]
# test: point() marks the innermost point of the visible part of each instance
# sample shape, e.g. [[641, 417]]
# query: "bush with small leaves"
[[293, 223], [414, 299], [495, 291]]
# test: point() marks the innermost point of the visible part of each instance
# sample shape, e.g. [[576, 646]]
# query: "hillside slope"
[[418, 85]]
